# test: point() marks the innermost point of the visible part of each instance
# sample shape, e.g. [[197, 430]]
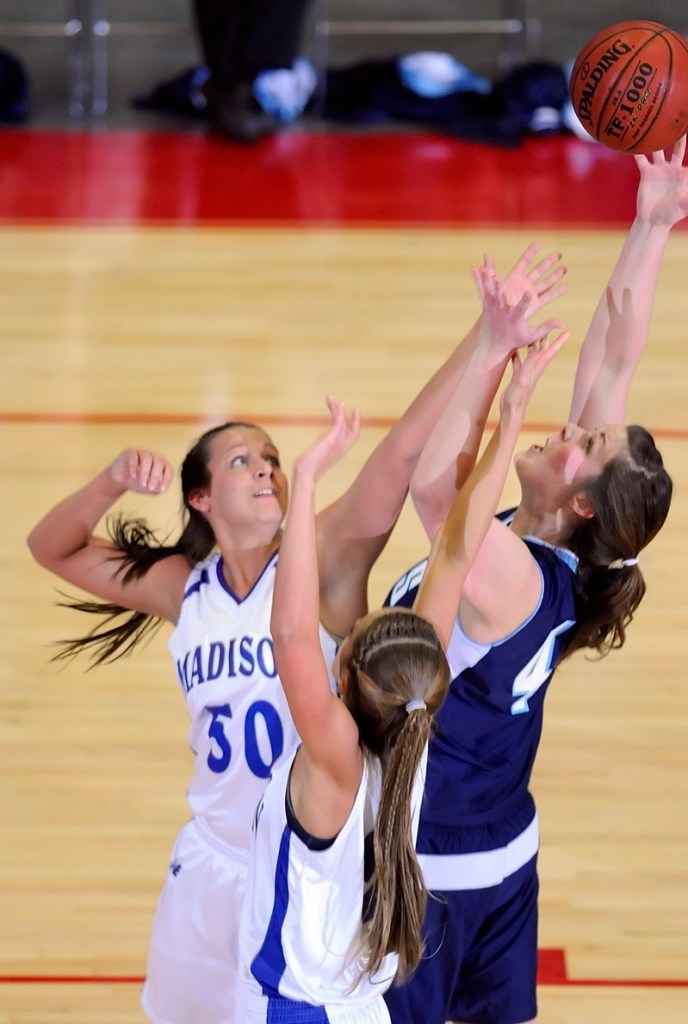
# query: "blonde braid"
[[397, 661]]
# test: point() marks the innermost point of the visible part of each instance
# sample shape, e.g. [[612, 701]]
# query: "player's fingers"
[[167, 476], [547, 326], [551, 294], [550, 277], [144, 468], [546, 267], [354, 422], [679, 150], [526, 258], [554, 344], [156, 473]]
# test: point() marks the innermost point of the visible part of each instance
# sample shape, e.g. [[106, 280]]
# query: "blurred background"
[[145, 42]]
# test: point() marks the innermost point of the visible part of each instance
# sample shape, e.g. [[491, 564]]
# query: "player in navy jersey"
[[215, 586], [559, 574], [310, 952]]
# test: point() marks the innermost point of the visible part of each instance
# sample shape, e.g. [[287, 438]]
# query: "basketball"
[[629, 87]]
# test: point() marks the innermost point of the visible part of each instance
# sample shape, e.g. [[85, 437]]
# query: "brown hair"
[[122, 629], [397, 659], [630, 499]]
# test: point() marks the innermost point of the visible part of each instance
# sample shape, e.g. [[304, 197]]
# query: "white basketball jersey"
[[304, 905], [240, 721]]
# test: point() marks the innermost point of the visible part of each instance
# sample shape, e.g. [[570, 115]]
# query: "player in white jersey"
[[240, 729], [308, 952], [235, 497], [324, 930], [231, 672]]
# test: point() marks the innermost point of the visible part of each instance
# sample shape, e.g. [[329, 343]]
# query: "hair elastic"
[[621, 563], [415, 705]]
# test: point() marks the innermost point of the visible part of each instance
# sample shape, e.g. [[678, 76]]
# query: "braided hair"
[[398, 678]]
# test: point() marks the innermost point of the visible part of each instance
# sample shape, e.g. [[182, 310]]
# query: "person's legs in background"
[[239, 39]]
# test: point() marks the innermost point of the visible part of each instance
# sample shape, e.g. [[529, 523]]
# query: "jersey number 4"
[[536, 673], [263, 738]]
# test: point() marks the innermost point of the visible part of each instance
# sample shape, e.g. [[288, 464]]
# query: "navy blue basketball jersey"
[[488, 729]]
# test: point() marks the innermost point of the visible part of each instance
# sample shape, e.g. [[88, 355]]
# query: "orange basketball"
[[629, 87]]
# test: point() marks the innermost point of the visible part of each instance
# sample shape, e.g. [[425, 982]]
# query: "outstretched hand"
[[333, 445], [506, 312], [541, 278], [663, 188], [525, 373], [142, 471]]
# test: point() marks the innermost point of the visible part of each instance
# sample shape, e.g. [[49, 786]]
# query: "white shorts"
[[193, 957]]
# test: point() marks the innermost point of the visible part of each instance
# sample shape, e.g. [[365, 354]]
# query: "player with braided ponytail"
[[325, 927], [395, 687]]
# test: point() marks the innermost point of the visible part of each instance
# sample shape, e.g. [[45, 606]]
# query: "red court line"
[[265, 420], [552, 970], [318, 179], [70, 979], [173, 419]]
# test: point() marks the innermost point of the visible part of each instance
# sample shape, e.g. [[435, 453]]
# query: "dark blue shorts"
[[480, 959]]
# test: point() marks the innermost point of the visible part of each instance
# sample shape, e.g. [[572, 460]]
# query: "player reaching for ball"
[[335, 898], [563, 576]]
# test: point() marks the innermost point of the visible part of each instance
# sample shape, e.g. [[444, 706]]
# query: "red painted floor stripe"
[[70, 979], [264, 419], [298, 178], [552, 970], [552, 967], [620, 983], [165, 419]]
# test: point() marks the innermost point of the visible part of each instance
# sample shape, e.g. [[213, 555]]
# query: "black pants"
[[239, 38]]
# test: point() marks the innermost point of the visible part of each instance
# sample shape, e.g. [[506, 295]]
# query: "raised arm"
[[325, 726], [618, 332], [471, 516], [354, 529], [64, 541], [504, 326]]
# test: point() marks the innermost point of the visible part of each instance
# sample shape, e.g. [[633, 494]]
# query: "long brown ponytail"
[[630, 499], [397, 661]]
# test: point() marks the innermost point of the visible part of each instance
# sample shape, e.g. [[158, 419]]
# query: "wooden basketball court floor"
[[150, 286]]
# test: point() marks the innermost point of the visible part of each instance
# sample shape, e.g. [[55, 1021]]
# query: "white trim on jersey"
[[453, 872]]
